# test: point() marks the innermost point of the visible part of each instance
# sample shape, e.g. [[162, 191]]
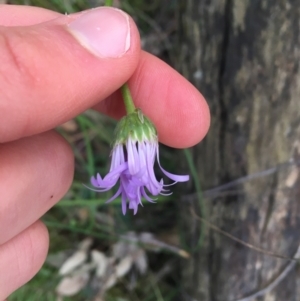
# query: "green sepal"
[[135, 126]]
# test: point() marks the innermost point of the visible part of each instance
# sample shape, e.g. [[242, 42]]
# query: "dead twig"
[[253, 176], [257, 249], [219, 190], [276, 281], [148, 241]]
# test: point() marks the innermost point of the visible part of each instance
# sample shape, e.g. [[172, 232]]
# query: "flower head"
[[132, 164]]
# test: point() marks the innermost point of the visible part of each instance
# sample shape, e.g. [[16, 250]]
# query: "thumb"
[[52, 71]]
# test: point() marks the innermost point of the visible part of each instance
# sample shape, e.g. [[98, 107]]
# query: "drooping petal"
[[99, 179], [124, 203], [140, 173], [115, 195], [142, 156], [97, 190], [139, 196], [138, 179], [145, 195], [94, 181], [112, 177], [113, 163], [133, 205], [176, 178], [153, 185], [131, 158], [166, 194]]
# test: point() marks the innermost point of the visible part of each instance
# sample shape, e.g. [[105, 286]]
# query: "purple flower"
[[132, 164]]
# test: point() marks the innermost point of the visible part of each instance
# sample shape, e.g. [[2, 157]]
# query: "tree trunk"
[[244, 55]]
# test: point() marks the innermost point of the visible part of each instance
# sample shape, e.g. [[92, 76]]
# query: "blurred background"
[[243, 55]]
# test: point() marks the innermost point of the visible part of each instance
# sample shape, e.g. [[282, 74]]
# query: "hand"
[[54, 67]]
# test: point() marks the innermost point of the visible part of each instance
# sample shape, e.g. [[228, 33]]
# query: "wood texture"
[[244, 57]]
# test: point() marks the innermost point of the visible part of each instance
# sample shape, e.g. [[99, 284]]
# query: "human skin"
[[48, 77]]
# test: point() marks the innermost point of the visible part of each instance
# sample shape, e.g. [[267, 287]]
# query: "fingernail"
[[104, 31]]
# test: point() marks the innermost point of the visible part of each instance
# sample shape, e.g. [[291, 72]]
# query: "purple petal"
[[167, 185], [136, 175], [94, 181], [153, 185], [140, 173], [99, 179], [115, 195], [112, 177], [135, 182], [166, 194], [139, 196], [144, 194], [176, 178], [119, 169], [118, 156], [132, 157], [134, 206], [109, 180], [97, 190], [142, 154], [124, 203]]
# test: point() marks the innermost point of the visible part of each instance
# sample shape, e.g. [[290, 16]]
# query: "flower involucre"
[[133, 158]]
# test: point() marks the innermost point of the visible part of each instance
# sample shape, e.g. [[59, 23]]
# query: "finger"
[[35, 173], [22, 257], [176, 107], [23, 15], [53, 71]]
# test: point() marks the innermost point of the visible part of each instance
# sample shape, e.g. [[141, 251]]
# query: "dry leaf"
[[119, 249], [101, 262], [73, 262], [85, 244], [126, 246], [149, 241], [124, 266], [111, 281], [87, 267], [140, 261], [71, 285]]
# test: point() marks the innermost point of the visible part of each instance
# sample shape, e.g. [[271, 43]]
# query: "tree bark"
[[244, 55]]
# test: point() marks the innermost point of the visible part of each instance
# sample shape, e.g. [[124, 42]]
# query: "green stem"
[[129, 105], [202, 206], [108, 2], [128, 102]]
